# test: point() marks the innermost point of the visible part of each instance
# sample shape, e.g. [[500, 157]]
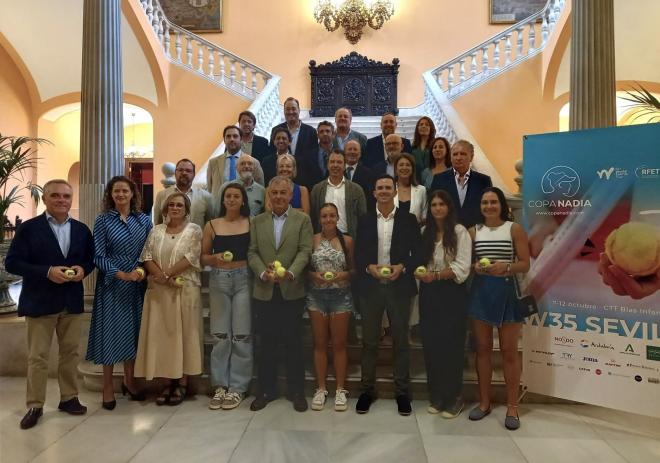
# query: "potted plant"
[[17, 154], [645, 104]]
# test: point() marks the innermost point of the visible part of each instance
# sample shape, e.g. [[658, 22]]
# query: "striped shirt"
[[494, 243]]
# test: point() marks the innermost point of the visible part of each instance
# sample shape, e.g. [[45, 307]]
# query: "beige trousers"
[[39, 337]]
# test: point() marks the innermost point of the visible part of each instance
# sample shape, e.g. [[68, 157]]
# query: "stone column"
[[593, 80], [101, 119]]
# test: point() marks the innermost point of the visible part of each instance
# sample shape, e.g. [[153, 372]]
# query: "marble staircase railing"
[[499, 53], [209, 61]]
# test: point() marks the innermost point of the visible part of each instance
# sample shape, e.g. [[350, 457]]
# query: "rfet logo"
[[561, 179]]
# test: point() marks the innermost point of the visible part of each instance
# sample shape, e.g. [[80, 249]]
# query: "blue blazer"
[[469, 213], [375, 152], [306, 154], [260, 148], [33, 251], [405, 238]]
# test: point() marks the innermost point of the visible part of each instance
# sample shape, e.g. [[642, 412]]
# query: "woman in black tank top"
[[224, 248]]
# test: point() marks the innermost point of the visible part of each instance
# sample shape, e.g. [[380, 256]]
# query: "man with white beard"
[[255, 192]]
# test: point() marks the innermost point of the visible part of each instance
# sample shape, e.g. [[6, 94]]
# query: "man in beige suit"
[[280, 248], [222, 169]]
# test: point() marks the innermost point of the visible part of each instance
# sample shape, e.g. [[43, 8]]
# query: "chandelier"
[[353, 15]]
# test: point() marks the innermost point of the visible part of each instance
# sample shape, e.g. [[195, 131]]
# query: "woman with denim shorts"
[[224, 248], [330, 303]]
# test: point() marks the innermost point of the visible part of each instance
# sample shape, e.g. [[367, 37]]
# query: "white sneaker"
[[218, 398], [232, 400], [318, 401], [341, 400]]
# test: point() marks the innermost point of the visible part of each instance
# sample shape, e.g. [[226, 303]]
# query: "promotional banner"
[[592, 212]]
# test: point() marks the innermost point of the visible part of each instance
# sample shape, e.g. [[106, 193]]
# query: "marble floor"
[[143, 432]]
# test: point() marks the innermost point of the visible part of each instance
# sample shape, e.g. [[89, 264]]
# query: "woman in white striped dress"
[[501, 250]]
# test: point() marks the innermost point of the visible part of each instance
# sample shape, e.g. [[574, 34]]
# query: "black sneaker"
[[364, 402], [403, 405], [299, 403]]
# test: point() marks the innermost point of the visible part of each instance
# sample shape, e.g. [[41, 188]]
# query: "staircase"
[[369, 126]]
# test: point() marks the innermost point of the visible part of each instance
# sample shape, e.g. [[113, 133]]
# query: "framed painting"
[[195, 15], [513, 11]]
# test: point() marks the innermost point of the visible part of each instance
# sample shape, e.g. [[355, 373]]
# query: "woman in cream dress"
[[170, 335]]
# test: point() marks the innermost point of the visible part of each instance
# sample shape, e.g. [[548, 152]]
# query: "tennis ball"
[[280, 271], [179, 281], [70, 273], [140, 271], [421, 270], [484, 262], [635, 247], [329, 276], [227, 256], [385, 271], [277, 264]]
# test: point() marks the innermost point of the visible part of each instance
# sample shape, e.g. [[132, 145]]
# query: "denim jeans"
[[231, 328]]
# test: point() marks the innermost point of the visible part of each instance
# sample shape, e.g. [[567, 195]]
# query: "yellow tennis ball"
[[385, 271], [277, 264], [280, 271], [635, 247], [227, 256], [484, 262], [70, 273], [179, 281], [140, 271], [329, 276], [421, 270]]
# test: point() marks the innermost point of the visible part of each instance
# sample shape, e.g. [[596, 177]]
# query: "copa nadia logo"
[[563, 184]]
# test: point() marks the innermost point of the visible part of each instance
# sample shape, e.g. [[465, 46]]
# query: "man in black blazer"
[[53, 253], [375, 152], [463, 184], [304, 143], [386, 239], [252, 144], [358, 173]]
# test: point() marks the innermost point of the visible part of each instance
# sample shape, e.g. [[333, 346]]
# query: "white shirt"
[[278, 225], [461, 263], [294, 136], [385, 227], [336, 194], [62, 232], [462, 189]]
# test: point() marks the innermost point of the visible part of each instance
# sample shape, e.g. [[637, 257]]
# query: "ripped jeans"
[[231, 320]]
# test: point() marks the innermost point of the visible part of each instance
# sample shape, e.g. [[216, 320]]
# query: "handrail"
[[206, 59], [474, 67]]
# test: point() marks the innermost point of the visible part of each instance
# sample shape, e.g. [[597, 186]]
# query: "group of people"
[[303, 221]]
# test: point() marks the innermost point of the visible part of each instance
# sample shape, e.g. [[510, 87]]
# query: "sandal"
[[177, 393], [165, 396]]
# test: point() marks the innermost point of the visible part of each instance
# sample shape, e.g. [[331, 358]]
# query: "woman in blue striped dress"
[[501, 250], [120, 232]]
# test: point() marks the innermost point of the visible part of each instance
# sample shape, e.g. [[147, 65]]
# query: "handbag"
[[526, 302]]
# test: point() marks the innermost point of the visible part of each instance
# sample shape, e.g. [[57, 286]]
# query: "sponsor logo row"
[[597, 371], [652, 352]]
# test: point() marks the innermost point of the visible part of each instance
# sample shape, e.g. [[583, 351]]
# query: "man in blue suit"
[[53, 253], [463, 184]]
